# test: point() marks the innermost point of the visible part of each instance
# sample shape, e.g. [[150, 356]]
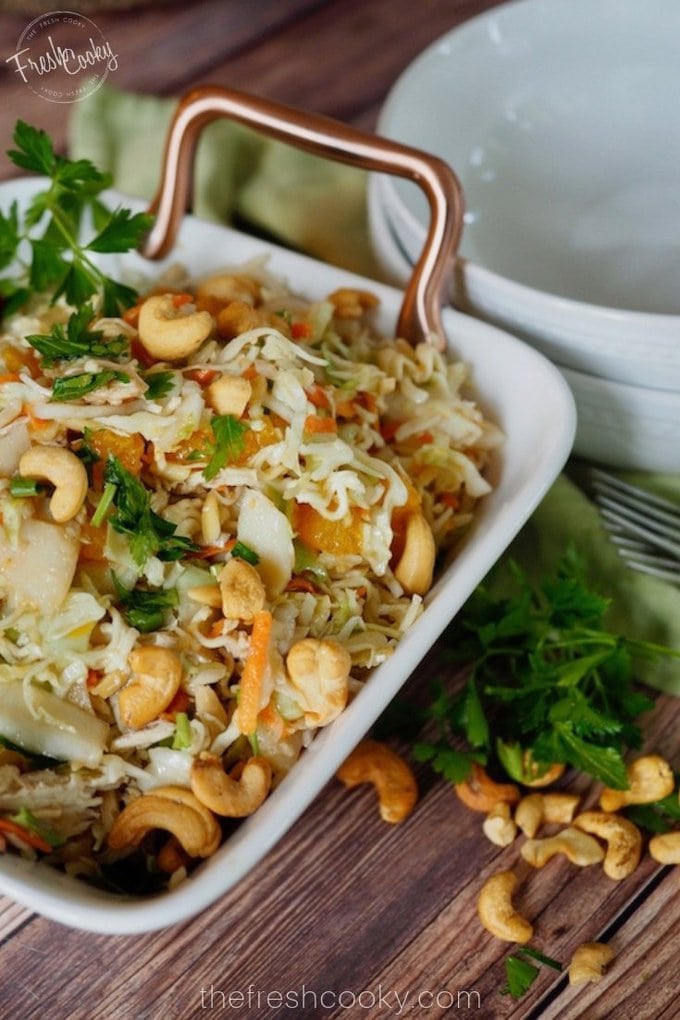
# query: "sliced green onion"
[[182, 737], [21, 487], [244, 552]]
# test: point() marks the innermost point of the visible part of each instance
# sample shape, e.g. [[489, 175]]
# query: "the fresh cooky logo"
[[63, 57]]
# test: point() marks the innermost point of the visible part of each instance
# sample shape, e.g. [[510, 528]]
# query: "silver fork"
[[644, 527]]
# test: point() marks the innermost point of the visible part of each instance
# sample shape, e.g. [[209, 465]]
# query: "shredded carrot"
[[250, 373], [93, 677], [388, 430], [346, 409], [181, 299], [9, 377], [450, 499], [317, 396], [301, 330], [302, 584], [203, 376], [216, 629], [252, 678], [180, 703], [317, 425], [208, 551], [28, 837]]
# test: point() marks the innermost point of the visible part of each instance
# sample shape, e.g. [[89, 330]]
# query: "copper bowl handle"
[[420, 314]]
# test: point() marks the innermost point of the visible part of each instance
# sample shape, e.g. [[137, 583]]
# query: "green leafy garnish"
[[520, 974], [59, 261], [159, 384], [658, 817], [148, 533], [229, 433], [72, 387], [77, 340], [547, 682], [142, 608], [243, 552], [21, 487]]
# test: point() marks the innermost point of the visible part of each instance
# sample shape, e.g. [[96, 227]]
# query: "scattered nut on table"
[[496, 911], [589, 961], [393, 779]]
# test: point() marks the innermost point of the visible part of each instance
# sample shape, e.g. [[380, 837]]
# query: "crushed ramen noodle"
[[218, 513]]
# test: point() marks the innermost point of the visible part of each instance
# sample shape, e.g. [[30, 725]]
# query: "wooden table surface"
[[347, 917]]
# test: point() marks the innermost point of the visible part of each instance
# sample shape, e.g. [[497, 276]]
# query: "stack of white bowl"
[[560, 119]]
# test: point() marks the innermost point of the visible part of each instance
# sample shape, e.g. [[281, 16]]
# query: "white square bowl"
[[519, 389]]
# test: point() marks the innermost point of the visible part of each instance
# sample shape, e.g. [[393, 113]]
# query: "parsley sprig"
[[145, 609], [520, 974], [50, 229], [77, 340], [547, 683], [147, 532], [229, 432]]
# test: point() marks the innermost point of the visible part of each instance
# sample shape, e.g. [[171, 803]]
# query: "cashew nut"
[[226, 796], [229, 394], [216, 291], [588, 962], [174, 809], [319, 671], [157, 674], [665, 847], [498, 826], [236, 318], [650, 778], [350, 303], [624, 841], [171, 857], [537, 809], [65, 471], [576, 845], [536, 775], [211, 526], [169, 333], [416, 564], [496, 911], [394, 782], [480, 793], [242, 590]]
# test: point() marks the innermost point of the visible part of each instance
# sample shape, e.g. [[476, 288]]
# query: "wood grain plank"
[[346, 904]]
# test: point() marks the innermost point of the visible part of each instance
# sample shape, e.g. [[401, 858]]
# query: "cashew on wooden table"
[[392, 778], [496, 911]]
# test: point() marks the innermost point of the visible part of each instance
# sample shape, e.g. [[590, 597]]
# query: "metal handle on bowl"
[[420, 314]]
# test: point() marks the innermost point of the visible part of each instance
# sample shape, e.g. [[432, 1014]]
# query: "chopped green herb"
[[73, 387], [520, 974], [159, 384], [51, 228], [659, 817], [546, 679], [21, 487], [103, 504], [244, 552], [145, 609], [148, 533], [229, 433], [77, 340]]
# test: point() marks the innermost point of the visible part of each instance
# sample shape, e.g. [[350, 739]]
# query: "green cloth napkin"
[[319, 207]]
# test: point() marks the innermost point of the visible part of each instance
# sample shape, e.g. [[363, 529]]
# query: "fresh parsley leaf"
[[520, 974], [229, 432], [34, 150], [77, 340], [159, 384], [547, 682], [73, 387], [47, 265], [122, 232], [9, 235], [116, 297], [448, 762], [661, 816], [148, 533], [146, 610]]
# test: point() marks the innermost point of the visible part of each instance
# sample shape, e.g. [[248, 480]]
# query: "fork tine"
[[636, 525], [629, 510], [662, 573]]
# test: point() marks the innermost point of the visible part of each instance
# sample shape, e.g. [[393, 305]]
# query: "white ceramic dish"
[[523, 392], [556, 116], [623, 426]]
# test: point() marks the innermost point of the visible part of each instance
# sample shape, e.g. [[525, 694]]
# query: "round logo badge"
[[63, 57]]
